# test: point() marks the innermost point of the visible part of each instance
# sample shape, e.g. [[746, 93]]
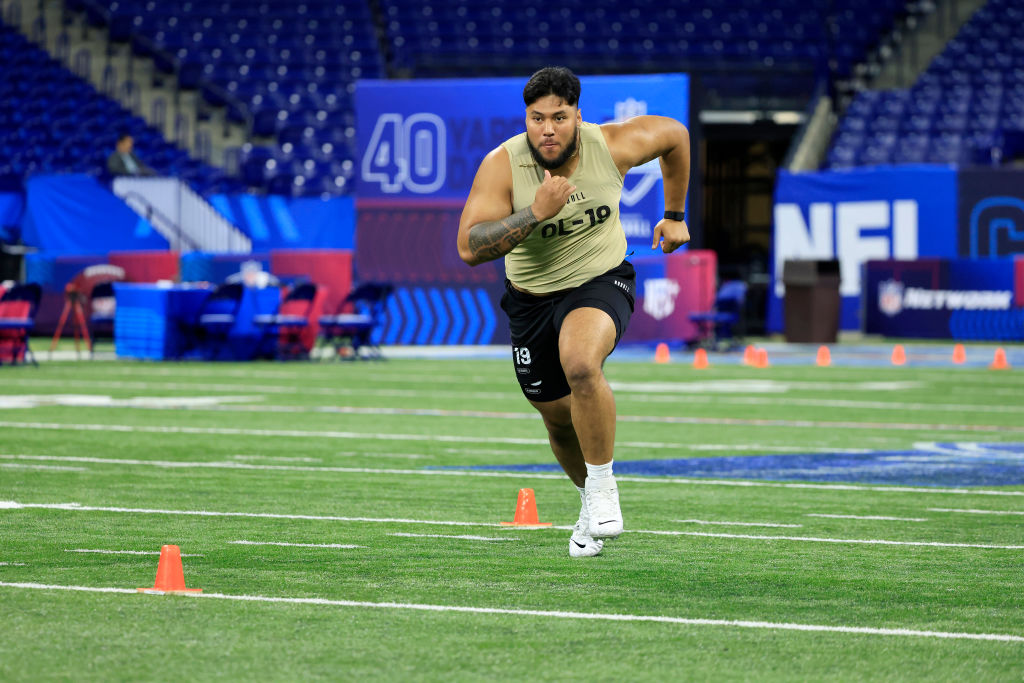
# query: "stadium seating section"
[[967, 108], [287, 70], [53, 121]]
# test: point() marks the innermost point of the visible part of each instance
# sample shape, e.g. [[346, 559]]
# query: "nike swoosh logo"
[[536, 384], [578, 544], [610, 521]]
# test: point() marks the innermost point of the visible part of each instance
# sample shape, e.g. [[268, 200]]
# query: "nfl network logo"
[[890, 297], [660, 297]]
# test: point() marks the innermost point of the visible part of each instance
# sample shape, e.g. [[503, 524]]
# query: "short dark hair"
[[552, 80], [122, 134]]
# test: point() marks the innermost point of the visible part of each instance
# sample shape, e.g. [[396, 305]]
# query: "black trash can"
[[12, 258], [812, 301]]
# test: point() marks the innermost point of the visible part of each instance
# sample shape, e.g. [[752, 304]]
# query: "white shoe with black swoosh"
[[581, 543], [603, 508]]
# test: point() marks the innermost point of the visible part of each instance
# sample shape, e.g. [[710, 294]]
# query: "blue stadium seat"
[[966, 101]]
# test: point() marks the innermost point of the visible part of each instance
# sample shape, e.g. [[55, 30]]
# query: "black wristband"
[[675, 215]]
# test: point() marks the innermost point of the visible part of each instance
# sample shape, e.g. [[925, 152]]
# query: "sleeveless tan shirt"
[[586, 238]]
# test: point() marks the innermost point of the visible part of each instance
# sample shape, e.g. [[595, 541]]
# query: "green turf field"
[[715, 578]]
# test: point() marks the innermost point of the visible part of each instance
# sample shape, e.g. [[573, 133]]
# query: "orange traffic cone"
[[899, 355], [749, 355], [526, 511], [959, 354], [999, 362], [170, 577], [824, 358], [661, 353], [700, 359], [761, 358]]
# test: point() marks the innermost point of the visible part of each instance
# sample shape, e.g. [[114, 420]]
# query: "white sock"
[[583, 494], [598, 474]]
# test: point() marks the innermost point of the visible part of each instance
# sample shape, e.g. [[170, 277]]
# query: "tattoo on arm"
[[491, 239]]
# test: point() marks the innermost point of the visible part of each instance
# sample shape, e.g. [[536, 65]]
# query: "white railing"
[[181, 215]]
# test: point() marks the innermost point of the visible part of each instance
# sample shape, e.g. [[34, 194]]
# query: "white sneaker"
[[581, 543], [603, 509]]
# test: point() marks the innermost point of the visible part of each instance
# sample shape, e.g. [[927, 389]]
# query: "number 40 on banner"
[[406, 153]]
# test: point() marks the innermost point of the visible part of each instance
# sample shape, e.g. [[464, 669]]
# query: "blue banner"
[[75, 214], [275, 222], [991, 212], [425, 139], [858, 215], [943, 299]]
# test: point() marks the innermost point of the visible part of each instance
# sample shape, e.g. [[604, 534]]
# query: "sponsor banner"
[[1018, 279], [668, 289], [856, 216], [991, 212], [936, 298], [425, 138]]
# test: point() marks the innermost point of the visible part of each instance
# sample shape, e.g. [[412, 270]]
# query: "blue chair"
[[358, 317], [216, 318], [715, 328]]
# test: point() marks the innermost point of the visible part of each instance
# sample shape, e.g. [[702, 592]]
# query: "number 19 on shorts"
[[521, 355]]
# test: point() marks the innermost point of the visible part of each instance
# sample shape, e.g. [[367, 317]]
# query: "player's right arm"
[[489, 228]]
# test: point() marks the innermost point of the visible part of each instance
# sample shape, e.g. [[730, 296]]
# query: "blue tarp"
[[75, 214], [275, 222]]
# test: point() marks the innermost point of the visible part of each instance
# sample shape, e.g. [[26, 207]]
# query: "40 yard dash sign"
[[425, 139]]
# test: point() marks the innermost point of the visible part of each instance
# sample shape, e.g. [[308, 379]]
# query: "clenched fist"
[[551, 196], [671, 234]]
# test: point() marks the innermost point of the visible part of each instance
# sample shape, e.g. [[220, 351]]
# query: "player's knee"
[[560, 429], [581, 372]]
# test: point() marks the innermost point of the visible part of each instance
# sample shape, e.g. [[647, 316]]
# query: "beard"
[[560, 160]]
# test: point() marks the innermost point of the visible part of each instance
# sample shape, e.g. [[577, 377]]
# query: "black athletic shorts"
[[535, 322]]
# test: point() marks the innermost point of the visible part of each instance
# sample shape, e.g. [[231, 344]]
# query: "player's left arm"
[[644, 138]]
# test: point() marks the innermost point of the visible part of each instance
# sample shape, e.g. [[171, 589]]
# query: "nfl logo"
[[890, 297], [660, 297]]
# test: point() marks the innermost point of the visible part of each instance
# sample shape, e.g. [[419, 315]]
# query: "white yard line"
[[275, 458], [266, 389], [242, 466], [871, 517], [12, 564], [342, 546], [466, 537], [76, 507], [526, 441], [518, 415], [296, 433], [56, 468], [764, 524], [402, 456], [121, 552], [869, 405], [815, 539], [979, 512], [554, 614]]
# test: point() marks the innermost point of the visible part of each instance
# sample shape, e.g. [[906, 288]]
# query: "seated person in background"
[[123, 160]]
